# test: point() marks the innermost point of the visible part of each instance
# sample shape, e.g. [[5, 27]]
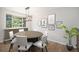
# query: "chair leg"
[[47, 41], [46, 48], [11, 46], [30, 49], [42, 49], [18, 50]]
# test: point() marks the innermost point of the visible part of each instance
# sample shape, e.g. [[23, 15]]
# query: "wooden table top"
[[30, 34]]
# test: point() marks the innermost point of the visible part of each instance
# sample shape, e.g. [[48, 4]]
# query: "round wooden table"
[[31, 35]]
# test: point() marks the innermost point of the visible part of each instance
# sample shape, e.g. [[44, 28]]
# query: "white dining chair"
[[45, 33], [13, 39], [41, 43], [22, 44], [11, 35], [21, 30], [34, 29]]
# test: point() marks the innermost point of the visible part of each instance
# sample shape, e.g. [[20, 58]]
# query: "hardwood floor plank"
[[52, 47]]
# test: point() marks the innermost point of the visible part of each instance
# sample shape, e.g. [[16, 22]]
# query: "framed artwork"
[[51, 27], [43, 23], [58, 23], [51, 19]]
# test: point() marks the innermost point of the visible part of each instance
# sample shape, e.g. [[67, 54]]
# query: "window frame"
[[23, 19]]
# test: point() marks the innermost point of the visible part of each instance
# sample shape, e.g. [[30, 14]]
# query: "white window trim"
[[12, 21]]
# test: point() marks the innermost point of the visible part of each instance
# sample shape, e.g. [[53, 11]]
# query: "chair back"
[[21, 41], [44, 39], [21, 30], [11, 35], [35, 29], [45, 33]]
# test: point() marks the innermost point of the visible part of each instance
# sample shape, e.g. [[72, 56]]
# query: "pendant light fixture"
[[28, 17]]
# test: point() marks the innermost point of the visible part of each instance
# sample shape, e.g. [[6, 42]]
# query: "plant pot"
[[69, 47]]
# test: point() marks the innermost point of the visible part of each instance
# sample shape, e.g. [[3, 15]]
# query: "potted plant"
[[70, 33]]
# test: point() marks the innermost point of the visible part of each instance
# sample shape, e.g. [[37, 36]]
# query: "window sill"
[[16, 28]]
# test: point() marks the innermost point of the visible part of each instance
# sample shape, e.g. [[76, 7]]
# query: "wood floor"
[[52, 47]]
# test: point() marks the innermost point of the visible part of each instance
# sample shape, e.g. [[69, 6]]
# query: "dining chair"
[[35, 29], [45, 33], [12, 38], [22, 44], [41, 43], [21, 30]]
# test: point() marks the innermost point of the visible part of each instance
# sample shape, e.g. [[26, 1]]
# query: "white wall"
[[68, 15], [17, 9], [1, 28]]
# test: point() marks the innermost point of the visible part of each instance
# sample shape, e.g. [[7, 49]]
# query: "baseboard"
[[1, 41], [57, 42], [61, 43], [7, 40]]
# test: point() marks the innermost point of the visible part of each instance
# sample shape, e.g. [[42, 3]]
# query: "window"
[[15, 21], [8, 21]]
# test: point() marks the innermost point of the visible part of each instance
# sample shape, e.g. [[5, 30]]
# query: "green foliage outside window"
[[8, 21], [14, 21], [17, 22]]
